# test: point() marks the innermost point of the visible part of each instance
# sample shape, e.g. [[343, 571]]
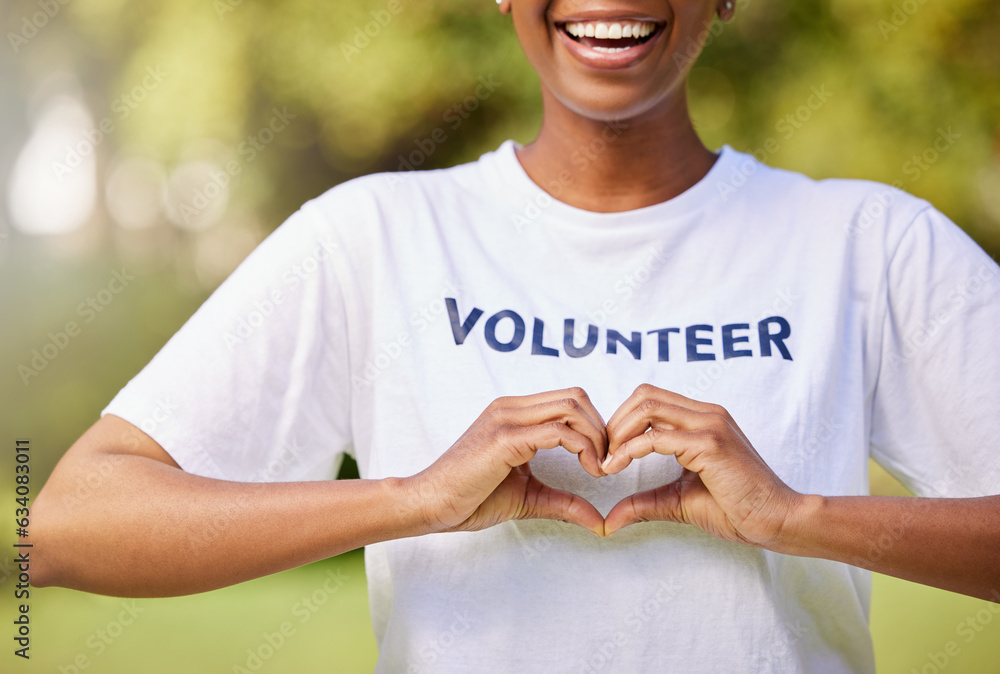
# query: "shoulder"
[[845, 206], [384, 194], [405, 210], [798, 189]]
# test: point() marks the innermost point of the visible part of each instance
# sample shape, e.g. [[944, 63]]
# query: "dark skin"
[[658, 155], [132, 535]]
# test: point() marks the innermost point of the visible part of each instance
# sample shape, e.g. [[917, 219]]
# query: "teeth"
[[611, 31]]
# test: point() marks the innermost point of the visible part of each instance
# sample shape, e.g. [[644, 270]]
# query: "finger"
[[694, 450], [649, 417], [664, 413], [544, 502], [641, 393], [662, 440], [567, 411], [660, 504], [644, 445], [576, 393], [529, 439], [647, 392]]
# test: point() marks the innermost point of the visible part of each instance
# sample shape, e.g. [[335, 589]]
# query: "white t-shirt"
[[834, 320]]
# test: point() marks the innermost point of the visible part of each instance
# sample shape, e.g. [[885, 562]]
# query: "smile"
[[610, 37]]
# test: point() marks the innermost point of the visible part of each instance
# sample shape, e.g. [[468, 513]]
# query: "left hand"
[[726, 488]]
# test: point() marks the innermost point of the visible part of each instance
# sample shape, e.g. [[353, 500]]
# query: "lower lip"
[[605, 60]]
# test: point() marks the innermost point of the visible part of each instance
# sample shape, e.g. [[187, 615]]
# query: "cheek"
[[533, 34], [692, 26]]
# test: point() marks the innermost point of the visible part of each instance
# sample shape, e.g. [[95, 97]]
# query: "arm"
[[727, 490], [950, 543], [144, 527], [150, 529]]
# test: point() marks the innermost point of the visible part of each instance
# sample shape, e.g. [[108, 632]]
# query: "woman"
[[749, 335]]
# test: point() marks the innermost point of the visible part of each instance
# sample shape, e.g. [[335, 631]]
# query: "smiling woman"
[[590, 81], [736, 542]]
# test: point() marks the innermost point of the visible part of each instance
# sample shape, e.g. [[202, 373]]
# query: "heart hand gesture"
[[726, 488]]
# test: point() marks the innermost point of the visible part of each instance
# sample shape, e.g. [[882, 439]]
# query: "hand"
[[726, 488], [484, 478]]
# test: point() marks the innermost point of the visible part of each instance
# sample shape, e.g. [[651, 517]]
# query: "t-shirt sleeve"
[[254, 387], [935, 421]]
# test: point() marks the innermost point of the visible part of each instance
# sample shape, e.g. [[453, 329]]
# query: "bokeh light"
[[135, 192], [53, 187]]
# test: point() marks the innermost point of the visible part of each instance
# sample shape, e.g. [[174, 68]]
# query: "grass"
[[912, 626], [326, 629], [212, 633]]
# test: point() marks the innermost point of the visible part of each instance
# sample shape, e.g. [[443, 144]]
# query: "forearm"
[[153, 530], [952, 544]]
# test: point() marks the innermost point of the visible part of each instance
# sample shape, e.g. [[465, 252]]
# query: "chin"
[[617, 104]]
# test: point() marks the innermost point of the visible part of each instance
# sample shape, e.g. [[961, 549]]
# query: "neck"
[[609, 167]]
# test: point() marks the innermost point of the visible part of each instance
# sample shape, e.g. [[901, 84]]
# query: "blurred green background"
[[168, 137]]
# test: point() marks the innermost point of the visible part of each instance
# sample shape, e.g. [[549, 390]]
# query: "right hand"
[[484, 478]]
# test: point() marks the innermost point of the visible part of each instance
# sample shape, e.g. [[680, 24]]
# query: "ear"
[[504, 6], [726, 10]]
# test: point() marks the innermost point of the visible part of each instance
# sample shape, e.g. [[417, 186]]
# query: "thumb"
[[660, 504], [544, 502]]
